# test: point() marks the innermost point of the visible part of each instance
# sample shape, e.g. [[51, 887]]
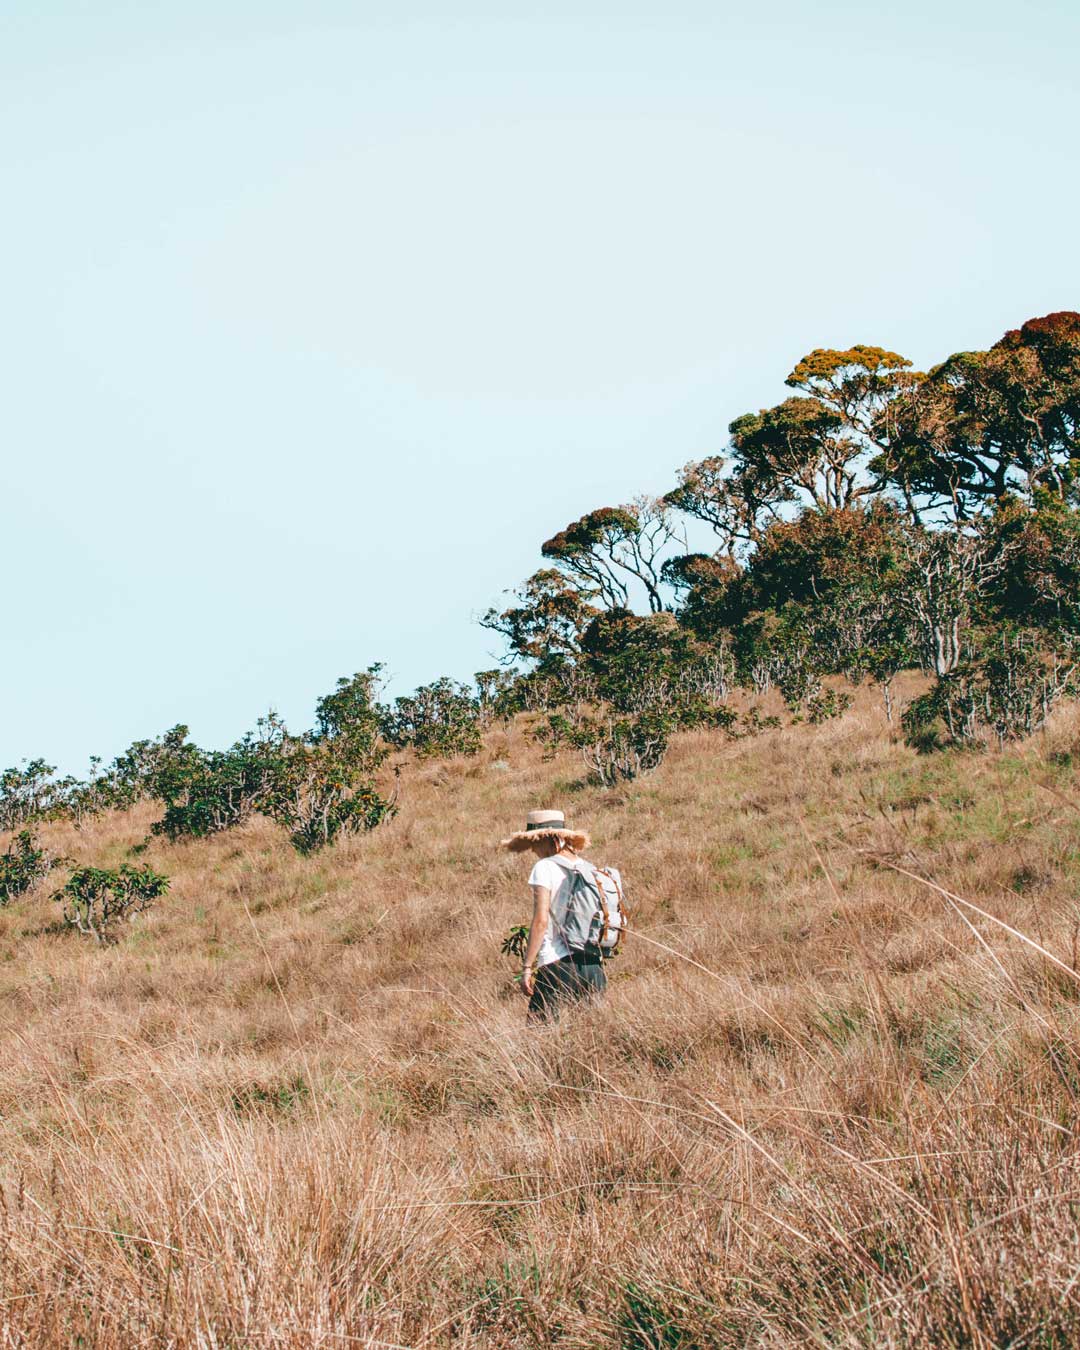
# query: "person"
[[553, 975]]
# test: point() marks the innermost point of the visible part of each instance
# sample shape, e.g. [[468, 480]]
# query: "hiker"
[[578, 915]]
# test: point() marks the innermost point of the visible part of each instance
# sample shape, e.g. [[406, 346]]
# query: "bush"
[[31, 793], [922, 724], [439, 720], [752, 723], [318, 785], [1006, 690], [206, 792], [23, 866], [319, 798], [620, 749], [827, 704], [498, 695], [516, 941], [616, 748], [349, 722], [96, 901]]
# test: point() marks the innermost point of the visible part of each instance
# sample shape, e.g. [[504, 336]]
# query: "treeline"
[[878, 519]]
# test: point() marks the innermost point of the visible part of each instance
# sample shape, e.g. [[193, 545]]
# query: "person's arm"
[[537, 929]]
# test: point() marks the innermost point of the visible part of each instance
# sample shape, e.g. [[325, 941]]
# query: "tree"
[[607, 548], [129, 778], [1038, 582], [708, 591], [620, 749], [497, 695], [319, 786], [616, 747], [797, 451], [829, 446], [652, 663], [737, 506], [821, 555], [817, 597], [944, 574], [1007, 687], [546, 624], [984, 426], [320, 798]]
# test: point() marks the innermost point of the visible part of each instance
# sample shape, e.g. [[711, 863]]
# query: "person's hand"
[[528, 975]]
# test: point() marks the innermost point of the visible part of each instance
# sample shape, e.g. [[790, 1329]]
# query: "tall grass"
[[830, 1099]]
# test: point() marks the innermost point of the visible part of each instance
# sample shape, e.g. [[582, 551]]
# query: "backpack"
[[590, 910]]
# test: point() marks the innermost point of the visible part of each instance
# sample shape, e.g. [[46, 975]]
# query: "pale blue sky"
[[318, 318]]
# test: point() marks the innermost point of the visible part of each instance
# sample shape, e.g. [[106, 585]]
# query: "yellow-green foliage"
[[825, 1104]]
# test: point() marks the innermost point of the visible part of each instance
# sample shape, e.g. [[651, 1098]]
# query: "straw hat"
[[545, 825]]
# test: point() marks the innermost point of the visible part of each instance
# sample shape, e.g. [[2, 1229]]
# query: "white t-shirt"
[[554, 875]]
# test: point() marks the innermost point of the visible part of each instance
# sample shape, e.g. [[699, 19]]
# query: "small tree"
[[96, 901], [516, 942], [942, 581], [349, 722], [498, 695], [23, 866]]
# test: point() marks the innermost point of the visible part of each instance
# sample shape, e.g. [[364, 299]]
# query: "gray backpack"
[[589, 912]]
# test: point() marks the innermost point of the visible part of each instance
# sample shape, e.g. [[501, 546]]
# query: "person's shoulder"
[[546, 872]]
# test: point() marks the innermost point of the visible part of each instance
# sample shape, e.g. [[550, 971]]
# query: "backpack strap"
[[605, 916], [623, 915]]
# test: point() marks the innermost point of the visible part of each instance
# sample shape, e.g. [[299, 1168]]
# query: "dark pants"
[[567, 981]]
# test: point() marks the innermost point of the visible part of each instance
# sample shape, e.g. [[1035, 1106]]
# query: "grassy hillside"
[[824, 1103]]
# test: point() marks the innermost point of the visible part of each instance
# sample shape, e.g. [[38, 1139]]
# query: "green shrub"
[[620, 749], [515, 942], [438, 720], [349, 722], [498, 695], [31, 793], [922, 724], [207, 791], [23, 866], [752, 723], [96, 901], [827, 704], [319, 798], [1006, 689]]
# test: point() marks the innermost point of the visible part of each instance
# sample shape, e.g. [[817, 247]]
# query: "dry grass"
[[824, 1104]]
